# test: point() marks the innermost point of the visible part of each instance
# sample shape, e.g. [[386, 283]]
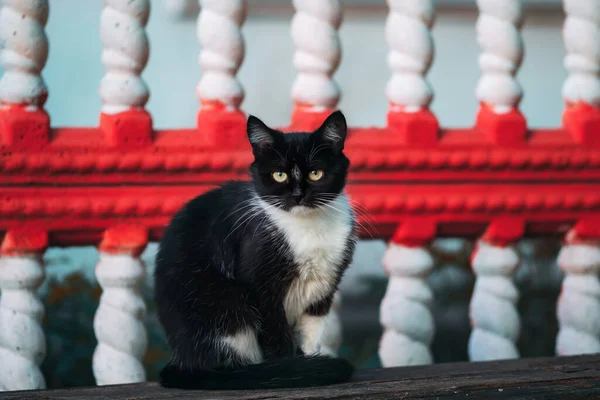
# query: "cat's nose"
[[298, 198]]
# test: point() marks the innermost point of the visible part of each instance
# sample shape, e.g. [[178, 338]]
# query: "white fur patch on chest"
[[318, 240]]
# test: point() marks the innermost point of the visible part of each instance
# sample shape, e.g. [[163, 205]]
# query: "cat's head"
[[299, 170]]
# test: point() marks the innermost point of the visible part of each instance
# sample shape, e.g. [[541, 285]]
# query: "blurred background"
[[73, 73]]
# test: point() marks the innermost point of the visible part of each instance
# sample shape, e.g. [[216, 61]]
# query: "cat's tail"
[[294, 372]]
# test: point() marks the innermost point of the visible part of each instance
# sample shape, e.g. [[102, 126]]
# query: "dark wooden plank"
[[575, 377]]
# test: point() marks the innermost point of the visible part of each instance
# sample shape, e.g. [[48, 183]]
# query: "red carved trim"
[[419, 129], [456, 208], [415, 232], [306, 119], [124, 239], [23, 129], [82, 182], [161, 203], [582, 121], [365, 160], [94, 164], [508, 129], [587, 229], [505, 231], [127, 130], [221, 128], [24, 241]]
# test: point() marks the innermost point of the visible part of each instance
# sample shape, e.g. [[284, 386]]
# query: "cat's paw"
[[312, 349]]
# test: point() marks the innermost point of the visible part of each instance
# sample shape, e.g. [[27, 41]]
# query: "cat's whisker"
[[267, 207], [362, 211], [329, 205], [240, 208], [248, 214]]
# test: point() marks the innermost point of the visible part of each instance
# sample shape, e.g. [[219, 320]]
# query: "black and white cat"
[[246, 273]]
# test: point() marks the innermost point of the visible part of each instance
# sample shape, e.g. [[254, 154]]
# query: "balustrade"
[[501, 180]]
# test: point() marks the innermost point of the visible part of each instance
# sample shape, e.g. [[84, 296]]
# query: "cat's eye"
[[315, 175], [280, 176]]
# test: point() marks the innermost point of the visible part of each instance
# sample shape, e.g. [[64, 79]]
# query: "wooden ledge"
[[576, 377]]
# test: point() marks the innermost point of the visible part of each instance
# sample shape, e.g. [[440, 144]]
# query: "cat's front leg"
[[311, 329], [276, 337], [311, 326]]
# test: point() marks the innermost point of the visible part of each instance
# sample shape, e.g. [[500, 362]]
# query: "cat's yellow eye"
[[315, 175], [280, 176]]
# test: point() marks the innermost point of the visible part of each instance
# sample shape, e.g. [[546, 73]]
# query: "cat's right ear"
[[259, 134]]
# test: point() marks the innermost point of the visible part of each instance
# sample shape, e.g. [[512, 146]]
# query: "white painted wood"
[[318, 52], [581, 34], [578, 309], [220, 35], [23, 51], [408, 34], [494, 317], [498, 34], [119, 321], [125, 54], [406, 307], [22, 341]]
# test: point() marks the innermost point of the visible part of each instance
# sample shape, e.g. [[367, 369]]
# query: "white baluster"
[[119, 321], [332, 336], [494, 316], [578, 308], [126, 50], [318, 52], [498, 34], [408, 34], [406, 307], [23, 51], [581, 34], [220, 36], [22, 341]]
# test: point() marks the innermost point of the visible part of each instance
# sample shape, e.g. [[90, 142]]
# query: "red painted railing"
[[77, 182], [117, 185]]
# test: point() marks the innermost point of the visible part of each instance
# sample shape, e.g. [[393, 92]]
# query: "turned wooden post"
[[318, 52], [581, 90], [406, 307], [408, 35], [22, 341], [119, 321], [498, 91], [24, 125], [493, 308], [578, 308], [220, 120], [124, 93]]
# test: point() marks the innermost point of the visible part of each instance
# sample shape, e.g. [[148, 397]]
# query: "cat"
[[246, 273]]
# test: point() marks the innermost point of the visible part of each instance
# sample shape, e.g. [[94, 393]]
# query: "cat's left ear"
[[259, 134], [333, 131]]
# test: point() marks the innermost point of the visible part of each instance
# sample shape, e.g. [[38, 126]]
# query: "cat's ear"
[[333, 131], [259, 134]]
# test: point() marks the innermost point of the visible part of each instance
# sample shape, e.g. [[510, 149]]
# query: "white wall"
[[74, 70]]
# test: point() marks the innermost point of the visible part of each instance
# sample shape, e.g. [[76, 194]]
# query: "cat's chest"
[[317, 245]]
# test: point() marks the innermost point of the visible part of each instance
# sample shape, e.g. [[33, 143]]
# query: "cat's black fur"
[[222, 267]]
